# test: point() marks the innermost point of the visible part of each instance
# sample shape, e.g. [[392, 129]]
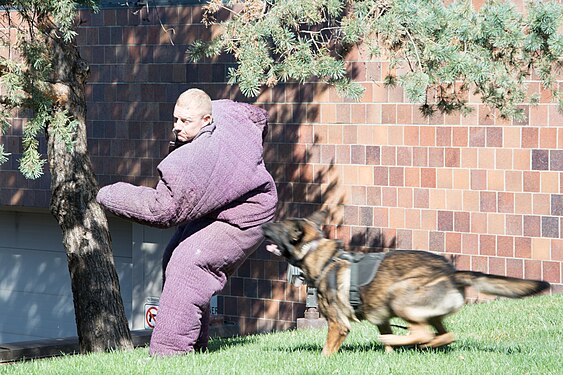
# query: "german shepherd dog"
[[419, 287]]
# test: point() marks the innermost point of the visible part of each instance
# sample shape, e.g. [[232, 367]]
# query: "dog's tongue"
[[273, 248]]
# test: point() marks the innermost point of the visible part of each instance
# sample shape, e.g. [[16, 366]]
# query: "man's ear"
[[208, 119], [318, 218]]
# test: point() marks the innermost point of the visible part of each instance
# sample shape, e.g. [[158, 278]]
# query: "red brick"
[[462, 221], [421, 199], [552, 272], [480, 264], [453, 242], [470, 243], [530, 137], [428, 177], [532, 269], [488, 201], [487, 245], [497, 266], [462, 262], [523, 247], [514, 225], [478, 179], [557, 250], [505, 202], [445, 221], [532, 226], [515, 268], [505, 246]]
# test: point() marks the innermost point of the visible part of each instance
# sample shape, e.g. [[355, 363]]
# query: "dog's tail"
[[503, 286]]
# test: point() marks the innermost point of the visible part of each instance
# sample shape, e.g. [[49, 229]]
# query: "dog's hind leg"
[[337, 333], [385, 329], [418, 334], [442, 338]]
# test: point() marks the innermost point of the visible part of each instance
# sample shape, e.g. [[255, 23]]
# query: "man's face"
[[188, 122]]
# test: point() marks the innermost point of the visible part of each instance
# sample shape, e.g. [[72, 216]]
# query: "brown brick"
[[532, 269], [420, 156], [445, 221], [557, 205], [494, 137], [503, 159], [478, 179], [436, 241], [411, 135], [436, 157], [550, 226], [462, 222], [421, 198], [453, 242], [412, 177], [541, 204], [444, 136], [453, 157], [556, 160], [388, 155], [480, 264], [548, 138], [373, 155], [515, 268], [427, 136], [487, 245], [477, 137], [505, 246], [505, 202], [497, 266], [381, 176], [460, 136], [470, 243], [557, 250], [428, 177], [389, 196], [531, 181], [404, 156], [540, 160], [552, 272], [478, 222], [530, 137], [532, 226], [522, 247], [388, 113], [488, 201], [514, 225], [380, 217]]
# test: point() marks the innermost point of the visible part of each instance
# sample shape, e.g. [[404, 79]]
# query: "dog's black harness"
[[363, 267]]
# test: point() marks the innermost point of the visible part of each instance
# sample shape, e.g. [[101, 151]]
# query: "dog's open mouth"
[[273, 248]]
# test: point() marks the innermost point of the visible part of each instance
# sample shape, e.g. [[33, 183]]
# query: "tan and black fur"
[[417, 286]]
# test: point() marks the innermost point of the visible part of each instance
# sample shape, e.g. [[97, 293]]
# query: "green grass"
[[502, 337]]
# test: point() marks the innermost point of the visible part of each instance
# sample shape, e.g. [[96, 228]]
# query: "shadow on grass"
[[222, 343]]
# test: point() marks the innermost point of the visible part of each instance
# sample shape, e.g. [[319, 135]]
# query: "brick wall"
[[484, 191]]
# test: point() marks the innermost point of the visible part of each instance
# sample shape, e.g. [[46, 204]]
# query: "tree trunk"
[[100, 315]]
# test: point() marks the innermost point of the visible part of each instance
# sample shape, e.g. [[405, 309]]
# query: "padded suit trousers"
[[196, 263]]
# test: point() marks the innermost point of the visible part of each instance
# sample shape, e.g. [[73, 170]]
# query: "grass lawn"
[[502, 337]]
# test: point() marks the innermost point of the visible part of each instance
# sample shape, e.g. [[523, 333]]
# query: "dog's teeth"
[[273, 248]]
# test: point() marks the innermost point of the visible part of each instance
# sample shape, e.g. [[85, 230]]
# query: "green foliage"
[[443, 47], [27, 81]]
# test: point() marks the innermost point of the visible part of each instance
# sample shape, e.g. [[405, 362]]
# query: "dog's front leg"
[[337, 333]]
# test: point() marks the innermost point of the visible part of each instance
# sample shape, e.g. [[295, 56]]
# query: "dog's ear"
[[318, 218]]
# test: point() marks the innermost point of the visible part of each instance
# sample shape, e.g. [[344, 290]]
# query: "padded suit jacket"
[[219, 175]]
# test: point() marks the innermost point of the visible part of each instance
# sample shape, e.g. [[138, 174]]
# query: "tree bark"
[[99, 311]]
